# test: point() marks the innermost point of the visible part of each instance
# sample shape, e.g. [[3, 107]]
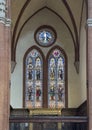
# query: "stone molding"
[[76, 64], [13, 64]]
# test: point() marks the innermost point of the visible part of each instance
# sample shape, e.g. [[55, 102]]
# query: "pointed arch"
[[33, 78], [57, 78], [14, 43]]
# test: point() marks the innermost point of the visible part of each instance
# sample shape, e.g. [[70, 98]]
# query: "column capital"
[[89, 22]]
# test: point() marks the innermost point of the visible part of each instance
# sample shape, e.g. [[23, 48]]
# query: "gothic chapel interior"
[[45, 65]]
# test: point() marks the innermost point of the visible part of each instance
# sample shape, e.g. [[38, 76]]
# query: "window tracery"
[[33, 79], [56, 80]]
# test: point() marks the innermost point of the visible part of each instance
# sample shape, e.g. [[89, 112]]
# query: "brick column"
[[4, 65], [89, 22]]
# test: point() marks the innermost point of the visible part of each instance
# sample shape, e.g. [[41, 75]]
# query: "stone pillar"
[[5, 52], [89, 53]]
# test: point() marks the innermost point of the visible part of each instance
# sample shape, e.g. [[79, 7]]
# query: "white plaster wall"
[[83, 66], [83, 70], [26, 40]]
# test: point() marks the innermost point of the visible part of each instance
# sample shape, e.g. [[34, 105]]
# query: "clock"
[[45, 36]]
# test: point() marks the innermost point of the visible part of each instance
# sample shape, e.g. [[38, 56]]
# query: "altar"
[[45, 111], [45, 125]]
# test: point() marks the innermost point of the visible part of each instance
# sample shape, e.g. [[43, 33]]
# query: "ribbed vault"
[[70, 12]]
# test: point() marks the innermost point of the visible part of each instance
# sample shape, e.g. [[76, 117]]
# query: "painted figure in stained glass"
[[30, 73], [38, 66], [30, 67], [33, 78], [38, 93], [30, 92], [56, 79], [60, 62], [52, 68], [38, 74], [52, 62], [60, 92], [52, 92], [60, 74], [38, 62], [52, 74]]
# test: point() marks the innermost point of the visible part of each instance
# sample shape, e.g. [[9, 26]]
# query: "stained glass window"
[[56, 79], [45, 36], [33, 79]]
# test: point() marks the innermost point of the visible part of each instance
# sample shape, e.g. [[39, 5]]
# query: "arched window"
[[33, 67], [45, 81], [56, 78]]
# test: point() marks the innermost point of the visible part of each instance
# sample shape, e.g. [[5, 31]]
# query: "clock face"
[[45, 36]]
